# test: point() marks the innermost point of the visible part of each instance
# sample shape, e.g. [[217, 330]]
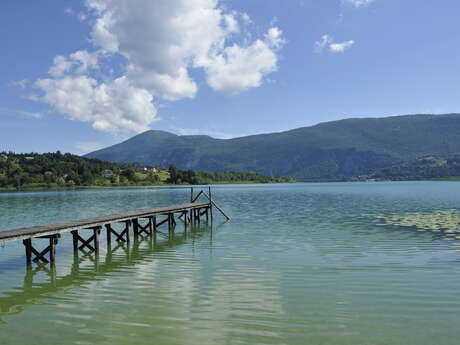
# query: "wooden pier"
[[140, 223]]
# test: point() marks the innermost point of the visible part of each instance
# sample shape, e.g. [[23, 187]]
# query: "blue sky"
[[223, 68]]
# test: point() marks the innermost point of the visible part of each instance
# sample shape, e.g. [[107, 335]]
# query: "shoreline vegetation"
[[424, 168], [33, 171], [57, 171]]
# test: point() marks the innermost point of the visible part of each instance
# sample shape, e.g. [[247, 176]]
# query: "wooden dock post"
[[171, 222], [75, 241], [123, 236], [136, 228], [126, 230], [139, 229], [80, 243], [151, 225], [40, 255], [52, 246], [108, 230], [210, 201], [28, 245], [96, 233]]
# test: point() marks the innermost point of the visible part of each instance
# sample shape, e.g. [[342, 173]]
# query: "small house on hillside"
[[107, 173]]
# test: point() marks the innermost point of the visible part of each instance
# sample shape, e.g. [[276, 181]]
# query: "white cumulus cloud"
[[238, 69], [341, 47], [109, 107], [160, 42], [359, 3], [328, 42], [80, 62]]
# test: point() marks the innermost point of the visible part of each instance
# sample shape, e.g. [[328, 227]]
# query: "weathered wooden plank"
[[52, 229]]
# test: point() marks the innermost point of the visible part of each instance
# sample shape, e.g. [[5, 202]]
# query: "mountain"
[[327, 151], [422, 168]]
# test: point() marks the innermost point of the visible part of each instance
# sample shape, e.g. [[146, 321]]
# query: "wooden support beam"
[[162, 222], [139, 229], [91, 243], [41, 255], [123, 236], [196, 198]]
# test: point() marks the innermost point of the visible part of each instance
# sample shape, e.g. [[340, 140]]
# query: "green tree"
[[173, 174], [130, 174]]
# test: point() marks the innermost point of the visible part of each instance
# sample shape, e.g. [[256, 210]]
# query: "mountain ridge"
[[325, 151]]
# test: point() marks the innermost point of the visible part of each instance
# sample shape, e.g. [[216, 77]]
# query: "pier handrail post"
[[191, 194], [216, 206], [210, 200]]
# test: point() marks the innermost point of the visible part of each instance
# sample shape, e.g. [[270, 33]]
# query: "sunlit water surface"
[[297, 264]]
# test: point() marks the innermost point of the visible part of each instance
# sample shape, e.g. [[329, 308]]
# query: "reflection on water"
[[41, 281], [298, 264]]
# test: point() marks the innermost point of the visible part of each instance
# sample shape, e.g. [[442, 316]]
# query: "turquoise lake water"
[[297, 264]]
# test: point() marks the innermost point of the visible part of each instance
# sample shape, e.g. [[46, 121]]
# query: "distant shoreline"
[[67, 188]]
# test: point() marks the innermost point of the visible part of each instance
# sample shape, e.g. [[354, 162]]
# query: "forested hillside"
[[423, 168], [57, 169], [328, 151]]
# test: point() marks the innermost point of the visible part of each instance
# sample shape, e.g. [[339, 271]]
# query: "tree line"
[[49, 170], [57, 169], [178, 176]]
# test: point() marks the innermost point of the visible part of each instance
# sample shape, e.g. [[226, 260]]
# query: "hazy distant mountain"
[[327, 151]]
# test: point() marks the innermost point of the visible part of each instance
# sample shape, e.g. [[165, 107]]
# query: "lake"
[[325, 263]]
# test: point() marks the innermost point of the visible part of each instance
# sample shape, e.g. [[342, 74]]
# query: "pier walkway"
[[142, 222]]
